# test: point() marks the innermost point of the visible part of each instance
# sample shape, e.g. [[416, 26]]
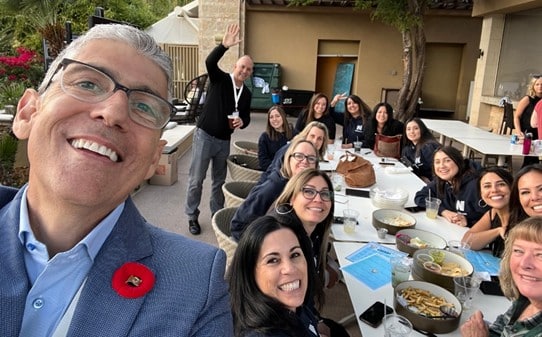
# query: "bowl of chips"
[[411, 239], [421, 302], [393, 220], [445, 267]]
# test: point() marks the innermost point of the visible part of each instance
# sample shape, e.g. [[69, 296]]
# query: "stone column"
[[214, 17]]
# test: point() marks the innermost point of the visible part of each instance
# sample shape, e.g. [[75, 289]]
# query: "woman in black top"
[[382, 122], [318, 111], [494, 186], [271, 281], [523, 112]]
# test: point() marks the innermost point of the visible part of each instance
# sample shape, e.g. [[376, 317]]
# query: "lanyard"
[[236, 95]]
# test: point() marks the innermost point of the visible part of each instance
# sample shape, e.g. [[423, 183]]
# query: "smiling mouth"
[[497, 197], [96, 148], [530, 278], [291, 286]]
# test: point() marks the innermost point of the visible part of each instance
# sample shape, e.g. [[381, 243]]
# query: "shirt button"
[[38, 303], [31, 246]]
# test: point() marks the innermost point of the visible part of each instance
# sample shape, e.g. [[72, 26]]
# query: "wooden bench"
[[179, 140]]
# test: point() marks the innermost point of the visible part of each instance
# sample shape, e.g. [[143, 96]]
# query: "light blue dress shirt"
[[55, 281]]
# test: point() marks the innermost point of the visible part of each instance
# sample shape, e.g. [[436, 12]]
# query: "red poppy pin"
[[132, 280]]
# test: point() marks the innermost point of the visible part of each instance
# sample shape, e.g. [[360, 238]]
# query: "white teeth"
[[497, 197], [290, 286], [537, 207], [529, 278], [95, 147]]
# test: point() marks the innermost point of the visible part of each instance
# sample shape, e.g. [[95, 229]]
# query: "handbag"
[[388, 146], [357, 171]]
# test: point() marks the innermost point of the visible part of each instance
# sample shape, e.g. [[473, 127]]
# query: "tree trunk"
[[413, 66]]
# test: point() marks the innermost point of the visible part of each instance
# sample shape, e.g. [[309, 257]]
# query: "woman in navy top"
[[455, 184], [420, 144], [277, 133], [356, 116]]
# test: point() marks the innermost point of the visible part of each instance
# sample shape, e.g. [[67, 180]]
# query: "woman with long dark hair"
[[317, 110], [494, 187], [418, 149], [383, 123], [271, 280], [526, 195], [455, 185], [277, 133]]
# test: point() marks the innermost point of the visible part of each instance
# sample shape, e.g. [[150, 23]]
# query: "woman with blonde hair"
[[308, 197], [314, 132], [523, 115], [300, 155], [520, 275], [308, 202]]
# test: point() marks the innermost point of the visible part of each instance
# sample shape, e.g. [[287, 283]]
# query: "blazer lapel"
[[14, 284], [100, 308]]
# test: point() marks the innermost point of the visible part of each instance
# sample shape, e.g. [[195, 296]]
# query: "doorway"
[[336, 58]]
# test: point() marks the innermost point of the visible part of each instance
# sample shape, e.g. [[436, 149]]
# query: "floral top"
[[508, 325]]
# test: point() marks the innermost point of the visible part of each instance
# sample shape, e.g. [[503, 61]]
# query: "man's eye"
[[88, 85]]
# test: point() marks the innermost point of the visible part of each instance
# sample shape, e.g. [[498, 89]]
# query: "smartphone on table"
[[375, 314]]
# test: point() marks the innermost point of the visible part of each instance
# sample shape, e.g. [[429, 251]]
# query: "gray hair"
[[138, 39]]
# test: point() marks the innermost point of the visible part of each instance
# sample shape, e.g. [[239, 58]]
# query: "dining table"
[[391, 175], [476, 139], [362, 297]]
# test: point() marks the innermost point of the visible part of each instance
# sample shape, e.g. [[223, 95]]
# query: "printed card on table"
[[374, 271]]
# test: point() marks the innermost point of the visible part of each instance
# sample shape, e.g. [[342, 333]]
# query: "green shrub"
[[8, 149], [11, 92]]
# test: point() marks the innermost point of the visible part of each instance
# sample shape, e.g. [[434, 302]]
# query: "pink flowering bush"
[[25, 67]]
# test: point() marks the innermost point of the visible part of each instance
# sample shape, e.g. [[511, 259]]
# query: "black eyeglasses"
[[310, 193], [301, 156], [89, 84]]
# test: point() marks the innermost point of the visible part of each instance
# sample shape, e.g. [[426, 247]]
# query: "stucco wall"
[[291, 39]]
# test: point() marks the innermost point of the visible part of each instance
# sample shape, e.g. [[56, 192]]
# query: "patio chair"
[[245, 147], [189, 110], [243, 167], [221, 226], [235, 192]]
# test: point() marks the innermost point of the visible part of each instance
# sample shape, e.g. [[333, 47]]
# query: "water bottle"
[[527, 143]]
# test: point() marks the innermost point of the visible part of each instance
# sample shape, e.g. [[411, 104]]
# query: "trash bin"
[[294, 101], [265, 77]]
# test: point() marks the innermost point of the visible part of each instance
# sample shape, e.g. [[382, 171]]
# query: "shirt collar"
[[93, 241]]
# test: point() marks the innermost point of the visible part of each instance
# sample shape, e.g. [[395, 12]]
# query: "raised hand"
[[231, 37]]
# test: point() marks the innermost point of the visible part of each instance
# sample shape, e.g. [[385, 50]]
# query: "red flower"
[[132, 280]]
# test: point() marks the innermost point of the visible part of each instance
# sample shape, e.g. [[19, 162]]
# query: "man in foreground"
[[77, 257]]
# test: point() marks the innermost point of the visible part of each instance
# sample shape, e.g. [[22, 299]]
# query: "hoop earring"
[[480, 203], [284, 209]]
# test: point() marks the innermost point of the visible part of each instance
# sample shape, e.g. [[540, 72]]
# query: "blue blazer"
[[189, 298]]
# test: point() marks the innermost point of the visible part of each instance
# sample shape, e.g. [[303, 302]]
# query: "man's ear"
[[22, 123], [156, 158]]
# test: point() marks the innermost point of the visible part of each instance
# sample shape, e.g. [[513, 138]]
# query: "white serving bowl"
[[394, 198]]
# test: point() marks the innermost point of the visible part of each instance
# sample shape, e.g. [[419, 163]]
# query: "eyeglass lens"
[[88, 84], [300, 157], [310, 193]]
